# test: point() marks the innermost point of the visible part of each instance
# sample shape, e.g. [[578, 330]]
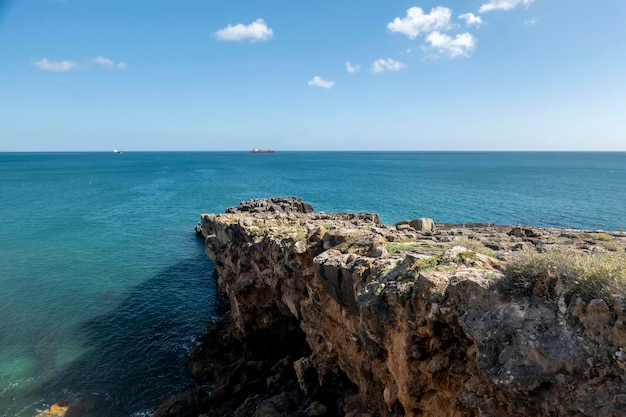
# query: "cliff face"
[[404, 320]]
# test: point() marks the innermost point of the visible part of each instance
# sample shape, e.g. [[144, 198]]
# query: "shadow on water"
[[136, 352]]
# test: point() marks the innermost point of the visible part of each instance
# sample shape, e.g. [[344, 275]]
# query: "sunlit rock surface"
[[339, 314]]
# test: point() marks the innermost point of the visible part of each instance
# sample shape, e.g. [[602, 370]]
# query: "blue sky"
[[312, 75]]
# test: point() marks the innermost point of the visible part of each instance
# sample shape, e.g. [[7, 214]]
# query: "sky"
[[213, 75]]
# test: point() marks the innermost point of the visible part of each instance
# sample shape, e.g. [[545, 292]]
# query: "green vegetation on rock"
[[555, 273], [404, 244], [426, 263]]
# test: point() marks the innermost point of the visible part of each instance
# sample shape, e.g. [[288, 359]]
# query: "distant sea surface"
[[104, 286]]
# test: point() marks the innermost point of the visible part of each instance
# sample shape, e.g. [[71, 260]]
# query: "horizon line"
[[326, 150]]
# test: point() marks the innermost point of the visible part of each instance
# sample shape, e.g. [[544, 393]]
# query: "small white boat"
[[117, 151]]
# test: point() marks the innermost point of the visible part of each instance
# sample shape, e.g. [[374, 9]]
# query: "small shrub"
[[427, 263], [463, 256], [403, 277], [301, 235], [604, 237], [438, 291], [611, 246], [379, 290], [593, 275], [405, 294], [382, 272]]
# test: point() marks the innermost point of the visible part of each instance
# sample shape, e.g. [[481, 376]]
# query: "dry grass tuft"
[[473, 246], [556, 273], [604, 237]]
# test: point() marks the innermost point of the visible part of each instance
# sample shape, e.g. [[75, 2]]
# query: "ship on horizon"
[[255, 150]]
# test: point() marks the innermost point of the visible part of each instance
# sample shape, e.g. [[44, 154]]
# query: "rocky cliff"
[[339, 314]]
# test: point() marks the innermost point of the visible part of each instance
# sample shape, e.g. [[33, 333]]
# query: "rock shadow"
[[136, 354]]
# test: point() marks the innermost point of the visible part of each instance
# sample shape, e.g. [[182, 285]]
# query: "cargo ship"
[[255, 150]]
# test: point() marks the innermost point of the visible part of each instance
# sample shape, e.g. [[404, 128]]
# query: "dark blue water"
[[105, 287]]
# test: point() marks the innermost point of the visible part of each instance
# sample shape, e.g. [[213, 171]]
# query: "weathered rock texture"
[[339, 314]]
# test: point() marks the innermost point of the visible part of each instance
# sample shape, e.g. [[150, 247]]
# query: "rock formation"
[[339, 314], [55, 410]]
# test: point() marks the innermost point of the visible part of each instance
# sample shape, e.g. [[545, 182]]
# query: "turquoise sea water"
[[105, 287]]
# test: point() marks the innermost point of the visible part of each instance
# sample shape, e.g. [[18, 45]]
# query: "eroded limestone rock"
[[339, 314]]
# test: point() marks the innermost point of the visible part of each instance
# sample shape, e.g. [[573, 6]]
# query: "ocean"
[[104, 286]]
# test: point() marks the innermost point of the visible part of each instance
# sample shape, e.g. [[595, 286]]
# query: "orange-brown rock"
[[55, 410], [392, 322]]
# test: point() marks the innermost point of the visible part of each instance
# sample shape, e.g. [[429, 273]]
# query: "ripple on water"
[[103, 280], [14, 368]]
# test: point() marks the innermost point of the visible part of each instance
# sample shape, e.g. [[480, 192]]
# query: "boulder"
[[55, 410], [523, 232], [277, 204], [423, 225]]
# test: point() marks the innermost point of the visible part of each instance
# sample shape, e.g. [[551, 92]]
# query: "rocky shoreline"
[[341, 315]]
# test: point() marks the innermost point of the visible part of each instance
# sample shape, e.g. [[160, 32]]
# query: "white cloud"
[[503, 5], [352, 68], [56, 66], [471, 19], [105, 62], [532, 21], [318, 81], [255, 31], [383, 65], [417, 22], [460, 46], [62, 66], [109, 63]]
